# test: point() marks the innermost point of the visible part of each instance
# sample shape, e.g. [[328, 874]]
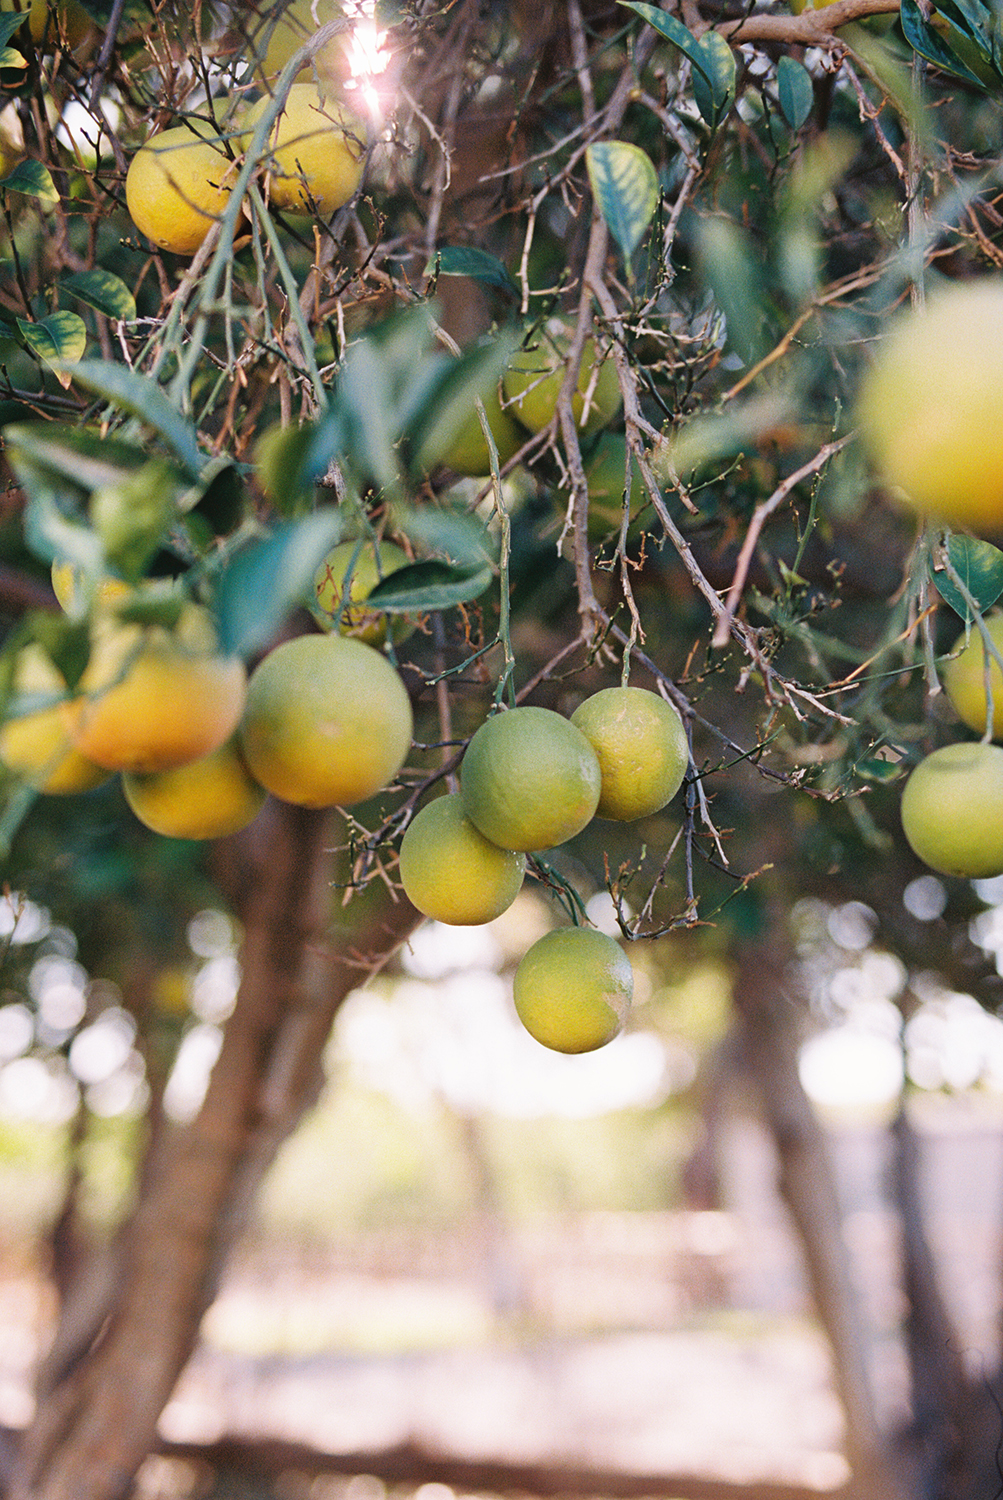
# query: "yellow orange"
[[451, 872], [207, 798], [642, 749], [178, 185], [328, 721], [152, 698], [314, 153], [573, 989], [529, 779], [36, 746]]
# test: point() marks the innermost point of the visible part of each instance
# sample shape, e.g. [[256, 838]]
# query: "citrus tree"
[[457, 443]]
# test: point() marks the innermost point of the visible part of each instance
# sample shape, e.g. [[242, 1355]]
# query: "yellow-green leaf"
[[61, 338], [625, 187], [32, 179], [103, 291]]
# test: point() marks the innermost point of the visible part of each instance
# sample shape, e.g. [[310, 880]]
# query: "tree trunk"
[[98, 1425], [807, 1185]]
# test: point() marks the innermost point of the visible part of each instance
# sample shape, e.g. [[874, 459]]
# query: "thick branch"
[[99, 1425]]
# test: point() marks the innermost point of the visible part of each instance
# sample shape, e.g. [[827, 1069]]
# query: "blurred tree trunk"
[[767, 1027], [98, 1423]]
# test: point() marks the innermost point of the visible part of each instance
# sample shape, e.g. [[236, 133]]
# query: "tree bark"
[[807, 1184], [94, 1431]]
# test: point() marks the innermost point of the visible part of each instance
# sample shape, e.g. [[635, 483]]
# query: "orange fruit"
[[468, 452], [930, 408], [177, 186], [965, 680], [451, 872], [36, 746], [280, 36], [207, 798], [642, 749], [151, 698], [952, 810], [573, 989], [369, 563], [533, 380], [328, 721], [529, 779], [315, 151]]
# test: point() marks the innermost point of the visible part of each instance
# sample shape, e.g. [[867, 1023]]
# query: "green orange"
[[529, 779], [573, 989], [952, 810], [451, 872], [642, 749]]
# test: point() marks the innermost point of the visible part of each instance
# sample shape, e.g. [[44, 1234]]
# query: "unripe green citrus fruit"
[[930, 409], [369, 563], [529, 779], [177, 186], [205, 799], [605, 472], [573, 989], [328, 721], [533, 380], [468, 453], [952, 810], [314, 152], [965, 680], [451, 872], [641, 746]]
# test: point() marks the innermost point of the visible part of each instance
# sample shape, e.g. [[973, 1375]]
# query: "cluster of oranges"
[[179, 181], [531, 779], [930, 412], [322, 720], [325, 720]]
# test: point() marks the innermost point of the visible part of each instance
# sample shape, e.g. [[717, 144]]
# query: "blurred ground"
[[648, 1342]]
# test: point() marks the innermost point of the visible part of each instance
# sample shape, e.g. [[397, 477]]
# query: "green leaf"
[[459, 537], [427, 586], [263, 583], [10, 24], [714, 78], [54, 531], [449, 401], [32, 179], [878, 771], [980, 567], [58, 340], [132, 516], [103, 291], [625, 186], [668, 26], [142, 397], [80, 457], [218, 499], [467, 260], [11, 58], [713, 60], [365, 400], [923, 39], [795, 91], [731, 267], [290, 460]]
